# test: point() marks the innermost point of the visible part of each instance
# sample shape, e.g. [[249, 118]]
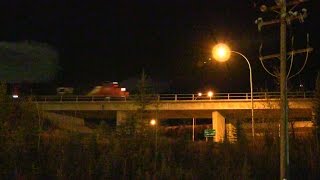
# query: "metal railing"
[[175, 97]]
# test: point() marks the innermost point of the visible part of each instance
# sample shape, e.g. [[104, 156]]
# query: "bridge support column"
[[219, 124], [313, 117], [230, 132], [122, 117]]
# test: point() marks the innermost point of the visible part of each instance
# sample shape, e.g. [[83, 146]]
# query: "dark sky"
[[114, 40]]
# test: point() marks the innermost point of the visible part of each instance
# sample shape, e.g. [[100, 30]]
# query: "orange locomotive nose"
[[109, 89]]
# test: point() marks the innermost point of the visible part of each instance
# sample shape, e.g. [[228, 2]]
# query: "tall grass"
[[102, 155]]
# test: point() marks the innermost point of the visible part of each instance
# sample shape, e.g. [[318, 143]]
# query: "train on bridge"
[[108, 89]]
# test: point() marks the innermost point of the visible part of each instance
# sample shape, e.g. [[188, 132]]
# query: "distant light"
[[123, 89], [115, 82], [199, 94], [15, 96], [263, 8], [153, 122], [210, 94], [301, 85]]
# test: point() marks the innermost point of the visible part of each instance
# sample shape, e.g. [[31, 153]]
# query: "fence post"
[[175, 97], [158, 97], [246, 95], [228, 96], [192, 96]]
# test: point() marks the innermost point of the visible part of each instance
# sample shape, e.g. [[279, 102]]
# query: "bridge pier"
[[230, 133], [122, 117], [219, 124]]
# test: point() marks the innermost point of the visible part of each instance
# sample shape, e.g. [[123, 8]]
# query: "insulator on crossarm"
[[301, 18]]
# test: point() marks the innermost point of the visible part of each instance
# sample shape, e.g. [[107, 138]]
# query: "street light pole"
[[251, 91], [154, 123], [221, 52], [193, 122]]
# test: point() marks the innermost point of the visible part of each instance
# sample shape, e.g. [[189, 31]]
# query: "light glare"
[[221, 52]]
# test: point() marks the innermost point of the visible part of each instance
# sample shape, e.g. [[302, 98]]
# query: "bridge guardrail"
[[175, 97]]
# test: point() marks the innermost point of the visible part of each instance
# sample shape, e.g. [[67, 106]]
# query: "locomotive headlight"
[[123, 89]]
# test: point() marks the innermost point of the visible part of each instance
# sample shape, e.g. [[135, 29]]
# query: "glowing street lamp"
[[153, 122], [221, 52], [210, 94]]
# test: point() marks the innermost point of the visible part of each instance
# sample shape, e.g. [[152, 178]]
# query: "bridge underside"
[[223, 121], [297, 114], [222, 112]]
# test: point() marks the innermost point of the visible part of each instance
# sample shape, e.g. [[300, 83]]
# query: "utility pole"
[[285, 18], [284, 138]]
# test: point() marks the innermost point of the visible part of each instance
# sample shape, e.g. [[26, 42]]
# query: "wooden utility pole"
[[284, 139], [285, 18]]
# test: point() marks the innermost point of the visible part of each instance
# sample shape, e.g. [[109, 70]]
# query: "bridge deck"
[[179, 97], [186, 105]]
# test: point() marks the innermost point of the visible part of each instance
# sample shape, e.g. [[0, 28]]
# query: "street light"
[[210, 94], [153, 122], [221, 52]]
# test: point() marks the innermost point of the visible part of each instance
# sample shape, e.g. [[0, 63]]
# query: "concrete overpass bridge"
[[168, 106]]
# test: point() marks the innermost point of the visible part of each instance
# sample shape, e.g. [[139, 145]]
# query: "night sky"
[[115, 40]]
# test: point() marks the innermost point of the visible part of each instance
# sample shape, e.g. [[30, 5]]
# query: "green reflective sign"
[[209, 132]]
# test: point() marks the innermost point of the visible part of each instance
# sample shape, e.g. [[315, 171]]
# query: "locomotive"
[[110, 89]]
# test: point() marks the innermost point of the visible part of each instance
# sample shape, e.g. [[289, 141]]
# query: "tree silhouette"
[[27, 62]]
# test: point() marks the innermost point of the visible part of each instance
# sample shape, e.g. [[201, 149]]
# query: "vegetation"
[[27, 61], [106, 154], [316, 120], [144, 96], [144, 92]]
